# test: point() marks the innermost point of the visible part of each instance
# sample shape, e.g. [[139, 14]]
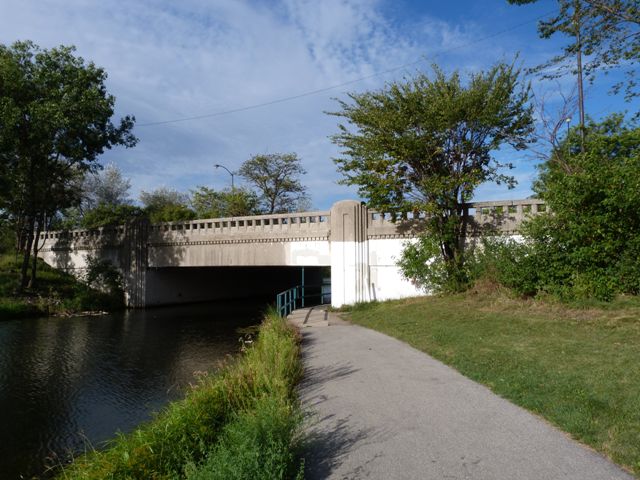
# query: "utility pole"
[[577, 26]]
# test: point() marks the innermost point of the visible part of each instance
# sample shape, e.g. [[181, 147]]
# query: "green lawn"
[[577, 366]]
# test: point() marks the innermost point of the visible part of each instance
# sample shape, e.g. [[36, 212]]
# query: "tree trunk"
[[34, 264], [24, 278]]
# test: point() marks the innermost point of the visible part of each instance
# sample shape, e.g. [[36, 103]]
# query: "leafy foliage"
[[166, 205], [422, 264], [276, 177], [588, 244], [104, 215], [209, 203], [103, 275], [609, 37], [591, 236], [425, 145], [55, 117], [519, 266], [107, 187]]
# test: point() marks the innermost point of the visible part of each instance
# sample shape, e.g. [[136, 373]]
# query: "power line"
[[344, 84]]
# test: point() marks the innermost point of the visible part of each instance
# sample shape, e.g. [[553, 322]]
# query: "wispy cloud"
[[170, 60]]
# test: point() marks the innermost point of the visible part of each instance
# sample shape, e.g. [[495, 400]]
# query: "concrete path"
[[383, 410]]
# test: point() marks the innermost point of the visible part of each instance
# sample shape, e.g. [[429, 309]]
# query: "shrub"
[[423, 264], [512, 264], [587, 245]]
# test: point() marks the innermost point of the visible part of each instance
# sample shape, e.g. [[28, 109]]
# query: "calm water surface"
[[67, 384]]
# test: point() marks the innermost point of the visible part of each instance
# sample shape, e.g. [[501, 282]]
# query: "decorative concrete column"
[[349, 253], [134, 268]]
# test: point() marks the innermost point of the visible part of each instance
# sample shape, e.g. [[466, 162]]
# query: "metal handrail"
[[297, 296]]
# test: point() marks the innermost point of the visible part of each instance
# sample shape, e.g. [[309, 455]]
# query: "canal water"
[[69, 384]]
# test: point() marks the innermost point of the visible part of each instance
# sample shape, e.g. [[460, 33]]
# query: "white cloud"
[[171, 60]]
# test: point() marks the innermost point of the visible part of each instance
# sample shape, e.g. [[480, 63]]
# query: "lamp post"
[[230, 173]]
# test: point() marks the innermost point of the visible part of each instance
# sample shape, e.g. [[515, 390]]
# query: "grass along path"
[[241, 423], [577, 367]]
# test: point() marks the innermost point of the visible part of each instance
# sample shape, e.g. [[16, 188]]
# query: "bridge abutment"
[[135, 248], [349, 254]]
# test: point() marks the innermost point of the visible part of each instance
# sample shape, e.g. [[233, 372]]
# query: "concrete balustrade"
[[256, 223], [360, 246]]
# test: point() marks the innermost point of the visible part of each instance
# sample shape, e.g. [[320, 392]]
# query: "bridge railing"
[[317, 220], [505, 215], [502, 215], [82, 233], [299, 296]]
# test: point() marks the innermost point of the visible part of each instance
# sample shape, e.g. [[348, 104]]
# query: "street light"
[[230, 173]]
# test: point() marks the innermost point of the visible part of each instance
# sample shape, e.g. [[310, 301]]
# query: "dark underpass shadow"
[[328, 438]]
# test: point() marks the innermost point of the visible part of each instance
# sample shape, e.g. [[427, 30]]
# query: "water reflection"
[[68, 384]]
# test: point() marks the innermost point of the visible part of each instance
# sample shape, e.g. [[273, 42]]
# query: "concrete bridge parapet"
[[360, 245]]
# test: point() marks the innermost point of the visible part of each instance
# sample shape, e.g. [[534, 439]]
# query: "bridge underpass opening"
[[176, 285]]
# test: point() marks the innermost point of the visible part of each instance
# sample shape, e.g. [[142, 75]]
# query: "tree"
[[276, 176], [166, 205], [589, 246], [425, 145], [606, 32], [107, 187], [55, 120], [109, 214], [236, 202]]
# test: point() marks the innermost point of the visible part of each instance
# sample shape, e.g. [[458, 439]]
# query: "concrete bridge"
[[209, 259]]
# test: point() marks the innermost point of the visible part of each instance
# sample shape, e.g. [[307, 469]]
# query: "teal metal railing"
[[301, 296]]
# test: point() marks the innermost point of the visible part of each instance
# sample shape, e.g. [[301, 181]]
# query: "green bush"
[[103, 275], [422, 263], [109, 215], [587, 245], [170, 213], [512, 264]]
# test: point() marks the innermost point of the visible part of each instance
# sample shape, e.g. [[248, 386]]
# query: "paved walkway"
[[383, 410]]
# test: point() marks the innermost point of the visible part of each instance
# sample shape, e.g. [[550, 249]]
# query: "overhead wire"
[[344, 84]]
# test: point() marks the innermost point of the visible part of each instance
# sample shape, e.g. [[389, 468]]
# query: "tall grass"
[[240, 423]]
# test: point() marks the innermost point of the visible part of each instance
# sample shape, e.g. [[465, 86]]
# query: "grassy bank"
[[579, 367], [240, 423], [55, 293]]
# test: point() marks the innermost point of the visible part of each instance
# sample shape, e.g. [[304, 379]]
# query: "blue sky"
[[170, 60]]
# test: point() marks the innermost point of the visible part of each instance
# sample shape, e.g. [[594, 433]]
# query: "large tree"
[[277, 179], [426, 143], [55, 120], [106, 187]]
